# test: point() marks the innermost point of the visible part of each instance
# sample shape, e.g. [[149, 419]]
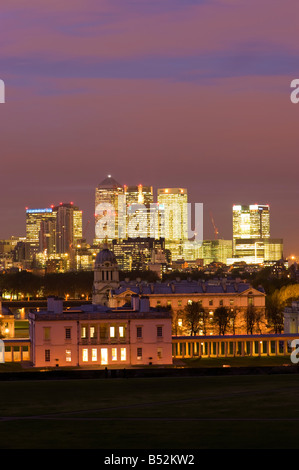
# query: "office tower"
[[251, 221], [173, 211], [139, 203], [251, 235], [110, 214], [34, 218], [68, 227]]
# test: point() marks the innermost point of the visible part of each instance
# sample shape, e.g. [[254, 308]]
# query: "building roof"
[[109, 182], [184, 287], [105, 255]]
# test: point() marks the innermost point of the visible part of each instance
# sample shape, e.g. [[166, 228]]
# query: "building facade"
[[100, 336], [176, 295]]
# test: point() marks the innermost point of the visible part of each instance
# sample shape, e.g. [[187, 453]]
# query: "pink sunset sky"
[[168, 93]]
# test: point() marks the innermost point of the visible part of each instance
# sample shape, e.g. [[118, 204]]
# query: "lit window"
[[123, 354], [231, 302], [94, 354], [68, 355], [139, 353], [85, 355], [83, 332], [189, 302], [180, 322], [159, 353], [92, 331], [121, 332], [114, 354], [112, 331]]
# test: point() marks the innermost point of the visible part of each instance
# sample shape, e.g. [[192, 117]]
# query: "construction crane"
[[216, 232]]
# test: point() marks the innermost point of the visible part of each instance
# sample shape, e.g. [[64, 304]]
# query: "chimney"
[[55, 305], [144, 304], [135, 302]]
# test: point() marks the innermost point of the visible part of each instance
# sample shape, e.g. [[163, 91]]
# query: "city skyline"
[[133, 194], [193, 94]]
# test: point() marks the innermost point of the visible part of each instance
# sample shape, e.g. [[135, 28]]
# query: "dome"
[[105, 255]]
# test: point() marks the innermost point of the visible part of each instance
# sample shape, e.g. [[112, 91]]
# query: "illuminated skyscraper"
[[173, 211], [251, 234], [251, 221], [109, 206], [139, 203], [68, 227], [34, 218]]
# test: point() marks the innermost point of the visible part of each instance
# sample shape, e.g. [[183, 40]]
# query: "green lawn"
[[231, 412]]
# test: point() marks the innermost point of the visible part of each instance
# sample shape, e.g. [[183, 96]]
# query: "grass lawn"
[[227, 412]]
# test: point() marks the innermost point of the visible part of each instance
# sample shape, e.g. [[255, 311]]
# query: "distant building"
[[251, 235], [237, 297], [173, 210], [291, 318], [109, 210]]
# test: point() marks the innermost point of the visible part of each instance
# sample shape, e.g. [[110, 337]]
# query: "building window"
[[47, 355], [179, 303], [83, 332], [47, 333], [231, 302], [94, 354], [104, 356], [139, 331], [221, 302], [68, 333], [168, 303], [210, 302], [189, 302], [68, 355], [159, 353], [158, 303], [139, 353], [114, 354], [123, 354], [112, 332], [159, 331], [92, 332], [121, 332], [85, 355]]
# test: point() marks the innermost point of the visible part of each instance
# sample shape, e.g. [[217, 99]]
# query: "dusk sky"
[[169, 93]]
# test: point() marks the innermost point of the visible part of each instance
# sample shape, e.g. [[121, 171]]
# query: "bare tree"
[[221, 319], [194, 317]]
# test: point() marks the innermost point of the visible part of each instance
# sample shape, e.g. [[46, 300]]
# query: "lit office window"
[[114, 354], [123, 354], [121, 332], [139, 353], [83, 332], [112, 332], [85, 355], [92, 331], [68, 355], [94, 354]]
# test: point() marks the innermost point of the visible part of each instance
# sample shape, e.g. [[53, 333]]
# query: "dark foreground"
[[249, 411]]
